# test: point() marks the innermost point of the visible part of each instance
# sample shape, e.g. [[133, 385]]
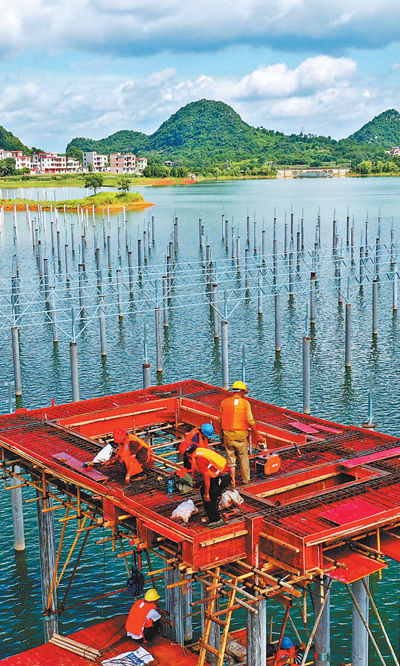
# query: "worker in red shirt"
[[143, 621], [236, 419], [134, 452], [216, 476]]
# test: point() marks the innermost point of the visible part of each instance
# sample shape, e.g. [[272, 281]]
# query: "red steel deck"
[[102, 636], [338, 486]]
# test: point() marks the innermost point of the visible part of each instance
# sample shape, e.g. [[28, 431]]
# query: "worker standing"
[[143, 621], [236, 419], [216, 476]]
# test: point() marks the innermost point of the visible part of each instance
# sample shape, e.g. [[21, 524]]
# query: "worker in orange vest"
[[216, 476], [134, 452], [236, 419], [143, 621], [200, 435]]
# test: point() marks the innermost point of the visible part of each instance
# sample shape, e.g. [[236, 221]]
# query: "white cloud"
[[131, 27], [322, 95]]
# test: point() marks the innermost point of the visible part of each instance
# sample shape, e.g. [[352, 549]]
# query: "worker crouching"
[[144, 620], [215, 472], [133, 452]]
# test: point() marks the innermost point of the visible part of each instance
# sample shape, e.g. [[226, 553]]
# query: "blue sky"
[[92, 67]]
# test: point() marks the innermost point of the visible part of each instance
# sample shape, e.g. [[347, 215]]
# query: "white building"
[[21, 161], [127, 163], [97, 161], [73, 165], [141, 163], [49, 163]]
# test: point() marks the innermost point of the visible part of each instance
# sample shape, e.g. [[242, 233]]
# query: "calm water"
[[189, 351]]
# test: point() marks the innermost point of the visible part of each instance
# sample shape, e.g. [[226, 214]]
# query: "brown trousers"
[[237, 442]]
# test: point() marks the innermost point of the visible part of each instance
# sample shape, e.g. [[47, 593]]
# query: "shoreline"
[[21, 204]]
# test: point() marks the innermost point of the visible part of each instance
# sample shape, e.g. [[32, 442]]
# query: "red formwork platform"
[[287, 520], [101, 637]]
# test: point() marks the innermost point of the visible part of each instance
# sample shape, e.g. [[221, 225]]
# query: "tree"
[[93, 181], [7, 167], [73, 151], [123, 185]]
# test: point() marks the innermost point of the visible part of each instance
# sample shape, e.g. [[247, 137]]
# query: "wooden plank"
[[76, 464], [303, 427], [223, 537], [378, 455], [350, 511]]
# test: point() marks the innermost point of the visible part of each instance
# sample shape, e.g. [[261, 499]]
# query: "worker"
[[143, 621], [216, 476], [201, 435], [236, 419], [134, 452], [287, 652], [104, 456]]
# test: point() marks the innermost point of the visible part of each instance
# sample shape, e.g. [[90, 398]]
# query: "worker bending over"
[[143, 621], [236, 419], [200, 435], [216, 476], [104, 457], [134, 452]]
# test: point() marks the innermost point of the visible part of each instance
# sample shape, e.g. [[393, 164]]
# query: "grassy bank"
[[77, 180], [114, 200]]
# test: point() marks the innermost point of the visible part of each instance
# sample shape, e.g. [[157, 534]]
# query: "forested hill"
[[10, 142], [383, 130], [208, 133]]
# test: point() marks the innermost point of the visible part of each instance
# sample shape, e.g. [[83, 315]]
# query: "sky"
[[92, 67]]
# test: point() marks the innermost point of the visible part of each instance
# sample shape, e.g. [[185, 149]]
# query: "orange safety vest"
[[207, 460], [234, 413], [133, 466], [202, 441], [136, 620]]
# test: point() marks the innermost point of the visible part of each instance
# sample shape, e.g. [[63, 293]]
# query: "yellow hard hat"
[[151, 595], [239, 386]]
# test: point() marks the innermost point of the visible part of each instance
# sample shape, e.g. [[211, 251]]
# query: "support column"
[[18, 515], [47, 564], [214, 638], [187, 610], [322, 634], [359, 648], [174, 606], [224, 354], [257, 635]]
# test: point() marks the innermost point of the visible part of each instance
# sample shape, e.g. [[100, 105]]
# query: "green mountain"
[[206, 134], [10, 142], [383, 130], [123, 141]]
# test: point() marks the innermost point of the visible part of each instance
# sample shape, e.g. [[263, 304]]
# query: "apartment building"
[[49, 163], [21, 161], [95, 160], [127, 163], [73, 165]]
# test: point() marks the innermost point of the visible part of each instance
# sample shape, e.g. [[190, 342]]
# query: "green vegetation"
[[93, 181], [123, 185], [383, 130], [10, 142], [211, 139], [103, 199]]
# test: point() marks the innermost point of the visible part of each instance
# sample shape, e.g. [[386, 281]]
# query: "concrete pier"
[[322, 634], [18, 515], [47, 564], [257, 635], [174, 606], [359, 646]]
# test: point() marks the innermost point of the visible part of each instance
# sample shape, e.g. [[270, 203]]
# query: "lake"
[[189, 349]]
